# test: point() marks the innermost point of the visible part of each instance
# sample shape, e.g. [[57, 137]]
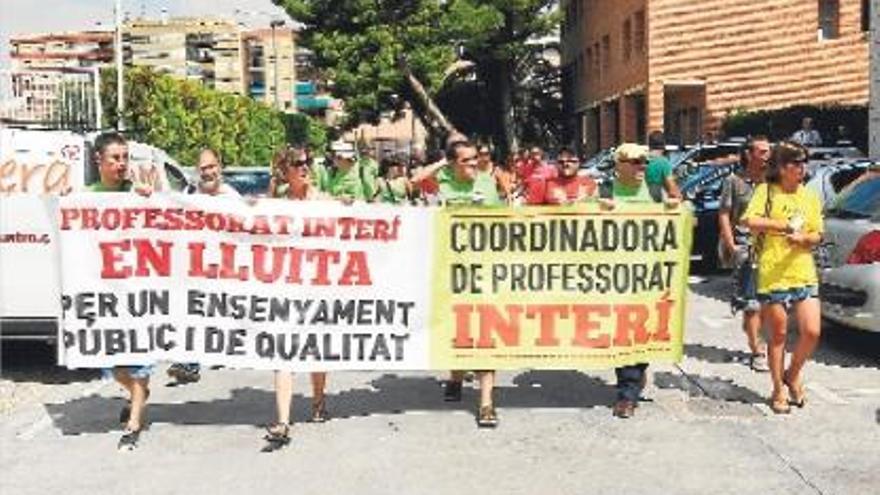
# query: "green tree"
[[381, 54], [182, 117]]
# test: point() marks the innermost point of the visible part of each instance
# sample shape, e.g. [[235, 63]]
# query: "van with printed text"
[[35, 167]]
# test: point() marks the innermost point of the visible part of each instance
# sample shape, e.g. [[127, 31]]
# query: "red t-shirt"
[[572, 189], [535, 184]]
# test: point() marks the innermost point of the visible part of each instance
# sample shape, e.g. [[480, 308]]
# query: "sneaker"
[[624, 409], [758, 363], [487, 418], [128, 441], [452, 391], [182, 374]]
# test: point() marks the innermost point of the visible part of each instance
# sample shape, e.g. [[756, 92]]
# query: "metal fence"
[[51, 99]]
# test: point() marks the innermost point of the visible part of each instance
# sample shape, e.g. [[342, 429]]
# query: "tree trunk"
[[424, 105], [498, 75]]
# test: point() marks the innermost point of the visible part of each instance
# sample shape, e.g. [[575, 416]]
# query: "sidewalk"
[[706, 431]]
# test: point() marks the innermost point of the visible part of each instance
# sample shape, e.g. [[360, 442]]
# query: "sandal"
[[779, 404], [277, 437], [319, 411], [487, 418], [798, 394]]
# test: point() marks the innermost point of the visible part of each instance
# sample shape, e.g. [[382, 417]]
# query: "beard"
[[209, 184]]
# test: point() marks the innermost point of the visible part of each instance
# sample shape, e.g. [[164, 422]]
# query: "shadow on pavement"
[[713, 354], [715, 286], [389, 394], [35, 362], [711, 387]]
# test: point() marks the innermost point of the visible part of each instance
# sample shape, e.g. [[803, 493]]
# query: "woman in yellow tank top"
[[785, 219]]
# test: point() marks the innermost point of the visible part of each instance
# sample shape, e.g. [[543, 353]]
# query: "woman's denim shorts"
[[787, 297]]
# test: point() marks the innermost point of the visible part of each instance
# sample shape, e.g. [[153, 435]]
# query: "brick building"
[[682, 66]]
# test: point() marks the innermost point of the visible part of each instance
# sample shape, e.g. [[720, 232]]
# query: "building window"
[[627, 40], [596, 64], [589, 66], [639, 31], [866, 16], [606, 52], [829, 19]]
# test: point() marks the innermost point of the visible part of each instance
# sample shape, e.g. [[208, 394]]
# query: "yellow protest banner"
[[559, 288]]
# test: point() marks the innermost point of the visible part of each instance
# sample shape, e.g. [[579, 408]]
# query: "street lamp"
[[120, 97], [274, 24]]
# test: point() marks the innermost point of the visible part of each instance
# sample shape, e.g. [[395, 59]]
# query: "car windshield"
[[862, 200]]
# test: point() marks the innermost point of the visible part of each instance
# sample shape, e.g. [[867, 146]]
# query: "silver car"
[[850, 288]]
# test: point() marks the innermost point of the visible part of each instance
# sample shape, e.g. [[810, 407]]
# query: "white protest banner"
[[276, 285]]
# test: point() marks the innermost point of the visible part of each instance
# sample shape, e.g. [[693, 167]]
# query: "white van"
[[35, 166]]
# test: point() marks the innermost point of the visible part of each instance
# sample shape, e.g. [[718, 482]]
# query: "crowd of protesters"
[[768, 224]]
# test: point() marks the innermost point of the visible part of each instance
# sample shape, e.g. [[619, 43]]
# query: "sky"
[[52, 16]]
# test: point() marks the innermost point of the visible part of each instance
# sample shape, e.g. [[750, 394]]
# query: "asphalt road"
[[707, 428]]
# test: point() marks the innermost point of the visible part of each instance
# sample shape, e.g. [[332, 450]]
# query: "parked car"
[[850, 287], [829, 180], [599, 165], [821, 157], [699, 171], [248, 181]]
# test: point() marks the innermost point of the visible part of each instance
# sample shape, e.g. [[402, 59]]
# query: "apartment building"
[[207, 50], [683, 66], [52, 80], [270, 57]]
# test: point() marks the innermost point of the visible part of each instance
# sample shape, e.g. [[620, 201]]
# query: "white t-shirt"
[[224, 190]]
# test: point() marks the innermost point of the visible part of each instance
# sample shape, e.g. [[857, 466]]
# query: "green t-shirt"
[[481, 191], [628, 194], [369, 176], [659, 168], [347, 183], [392, 191], [99, 186], [319, 174]]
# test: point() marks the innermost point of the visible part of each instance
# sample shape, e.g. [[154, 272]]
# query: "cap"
[[630, 151], [344, 149]]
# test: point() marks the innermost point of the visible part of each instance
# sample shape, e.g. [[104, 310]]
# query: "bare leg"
[[808, 314], [776, 320], [138, 403], [137, 389], [283, 394], [752, 328], [124, 379], [487, 384], [319, 382]]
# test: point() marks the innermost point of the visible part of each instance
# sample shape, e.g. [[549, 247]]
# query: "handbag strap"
[[768, 207]]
